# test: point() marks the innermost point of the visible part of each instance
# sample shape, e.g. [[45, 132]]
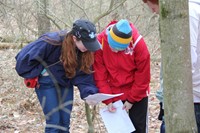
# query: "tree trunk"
[[89, 117], [177, 76], [42, 20]]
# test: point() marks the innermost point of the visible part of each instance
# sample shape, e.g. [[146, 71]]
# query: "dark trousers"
[[57, 108], [197, 115], [138, 115]]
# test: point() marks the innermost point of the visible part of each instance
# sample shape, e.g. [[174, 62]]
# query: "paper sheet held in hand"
[[99, 97], [118, 122]]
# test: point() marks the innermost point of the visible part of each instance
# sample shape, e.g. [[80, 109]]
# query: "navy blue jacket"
[[45, 53]]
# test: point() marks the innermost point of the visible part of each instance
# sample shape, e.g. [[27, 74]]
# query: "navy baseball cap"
[[86, 32]]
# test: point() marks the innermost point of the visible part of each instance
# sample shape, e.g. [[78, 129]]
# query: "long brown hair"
[[70, 60]]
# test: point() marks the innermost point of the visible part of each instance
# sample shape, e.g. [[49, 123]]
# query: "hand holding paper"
[[111, 108], [127, 105], [117, 122]]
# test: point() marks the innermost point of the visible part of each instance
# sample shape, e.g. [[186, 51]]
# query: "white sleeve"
[[194, 26], [193, 57]]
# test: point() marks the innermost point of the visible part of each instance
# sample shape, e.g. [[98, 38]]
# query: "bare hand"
[[127, 105], [111, 108]]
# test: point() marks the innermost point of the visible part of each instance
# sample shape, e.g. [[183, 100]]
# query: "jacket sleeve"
[[194, 25], [101, 73], [28, 59], [140, 87], [85, 84]]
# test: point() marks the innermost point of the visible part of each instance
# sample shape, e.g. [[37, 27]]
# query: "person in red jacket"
[[123, 66]]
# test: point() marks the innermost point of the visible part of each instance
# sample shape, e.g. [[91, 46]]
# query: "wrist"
[[129, 101]]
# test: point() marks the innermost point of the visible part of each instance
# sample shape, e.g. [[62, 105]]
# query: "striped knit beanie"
[[120, 35]]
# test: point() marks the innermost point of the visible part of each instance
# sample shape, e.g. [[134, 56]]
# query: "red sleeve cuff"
[[108, 101]]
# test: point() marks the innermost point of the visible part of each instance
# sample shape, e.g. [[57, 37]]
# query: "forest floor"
[[20, 111]]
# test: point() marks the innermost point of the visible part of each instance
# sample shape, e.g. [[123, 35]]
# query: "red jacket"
[[123, 72]]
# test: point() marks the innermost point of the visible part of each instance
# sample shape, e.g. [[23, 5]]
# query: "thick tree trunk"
[[175, 49]]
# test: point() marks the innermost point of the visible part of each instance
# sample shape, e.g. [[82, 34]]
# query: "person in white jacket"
[[194, 22], [194, 14]]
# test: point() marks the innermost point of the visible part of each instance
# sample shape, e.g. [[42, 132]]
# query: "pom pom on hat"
[[120, 35]]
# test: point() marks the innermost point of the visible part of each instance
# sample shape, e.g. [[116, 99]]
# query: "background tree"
[[177, 76], [43, 21], [30, 15]]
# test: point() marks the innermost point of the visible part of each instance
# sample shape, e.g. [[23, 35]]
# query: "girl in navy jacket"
[[57, 61]]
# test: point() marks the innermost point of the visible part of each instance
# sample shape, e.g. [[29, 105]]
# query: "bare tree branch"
[[80, 8], [110, 9]]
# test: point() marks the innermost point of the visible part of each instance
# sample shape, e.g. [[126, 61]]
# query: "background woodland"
[[22, 21]]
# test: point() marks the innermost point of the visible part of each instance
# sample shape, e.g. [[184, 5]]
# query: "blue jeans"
[[197, 115], [162, 127], [56, 104]]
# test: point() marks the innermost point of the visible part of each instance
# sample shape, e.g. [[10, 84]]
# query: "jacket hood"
[[54, 38]]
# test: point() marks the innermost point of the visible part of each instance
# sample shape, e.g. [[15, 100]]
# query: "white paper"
[[99, 97], [118, 122]]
